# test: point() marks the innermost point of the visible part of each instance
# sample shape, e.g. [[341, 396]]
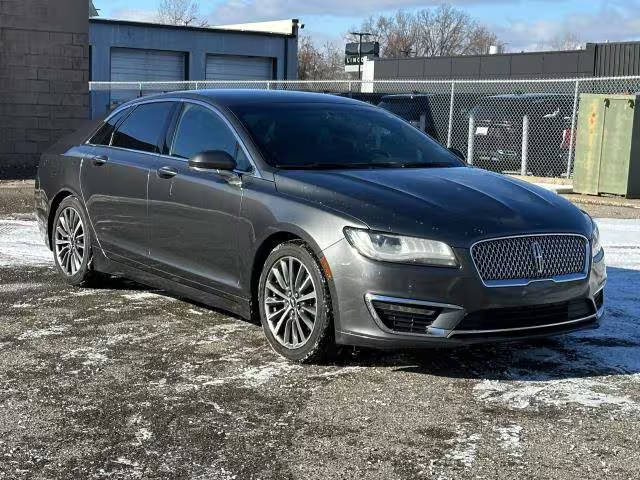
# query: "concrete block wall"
[[44, 74]]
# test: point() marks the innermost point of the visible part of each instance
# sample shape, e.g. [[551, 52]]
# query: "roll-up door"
[[138, 65], [231, 67]]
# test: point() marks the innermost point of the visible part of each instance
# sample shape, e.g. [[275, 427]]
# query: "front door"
[[193, 214], [114, 181]]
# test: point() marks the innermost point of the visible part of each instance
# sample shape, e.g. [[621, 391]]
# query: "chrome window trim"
[[255, 172], [572, 277], [517, 329], [431, 331]]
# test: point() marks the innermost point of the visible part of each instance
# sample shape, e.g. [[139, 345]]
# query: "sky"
[[522, 25]]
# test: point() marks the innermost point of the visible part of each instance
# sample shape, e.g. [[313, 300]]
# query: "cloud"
[[613, 21], [138, 15], [239, 11]]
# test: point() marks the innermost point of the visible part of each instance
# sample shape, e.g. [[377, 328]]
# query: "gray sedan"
[[329, 220]]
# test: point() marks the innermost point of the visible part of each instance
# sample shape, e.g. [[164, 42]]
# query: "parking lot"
[[127, 382]]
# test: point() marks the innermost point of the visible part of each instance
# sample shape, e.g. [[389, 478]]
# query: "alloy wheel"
[[69, 241], [290, 302]]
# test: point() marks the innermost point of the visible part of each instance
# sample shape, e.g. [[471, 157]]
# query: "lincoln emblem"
[[538, 257]]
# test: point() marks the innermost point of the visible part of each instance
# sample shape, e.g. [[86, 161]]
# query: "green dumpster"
[[608, 145]]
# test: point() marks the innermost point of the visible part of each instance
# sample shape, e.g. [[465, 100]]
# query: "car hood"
[[457, 205]]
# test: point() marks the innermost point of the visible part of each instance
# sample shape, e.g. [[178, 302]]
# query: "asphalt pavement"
[[124, 382]]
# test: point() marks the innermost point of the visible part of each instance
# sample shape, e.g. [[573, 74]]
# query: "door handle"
[[167, 172], [100, 160]]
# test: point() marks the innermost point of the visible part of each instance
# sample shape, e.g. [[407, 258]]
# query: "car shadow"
[[613, 349]]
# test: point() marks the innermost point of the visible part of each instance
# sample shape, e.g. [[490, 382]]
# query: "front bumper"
[[357, 281]]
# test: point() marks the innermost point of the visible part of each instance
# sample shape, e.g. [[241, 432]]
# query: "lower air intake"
[[405, 318]]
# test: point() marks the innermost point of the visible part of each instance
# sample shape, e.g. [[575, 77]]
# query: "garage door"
[[229, 67], [137, 65]]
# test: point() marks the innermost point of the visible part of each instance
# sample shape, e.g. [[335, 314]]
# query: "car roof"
[[230, 97]]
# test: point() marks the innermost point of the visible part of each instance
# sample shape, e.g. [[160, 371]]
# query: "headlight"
[[395, 248], [596, 247]]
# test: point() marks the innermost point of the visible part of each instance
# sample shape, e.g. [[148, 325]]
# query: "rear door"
[[114, 181], [194, 214]]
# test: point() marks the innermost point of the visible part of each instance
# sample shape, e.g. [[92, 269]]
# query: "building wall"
[[196, 42], [44, 71], [578, 63]]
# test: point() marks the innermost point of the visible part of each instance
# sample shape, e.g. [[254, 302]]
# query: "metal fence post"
[[525, 145], [197, 85], [573, 127], [453, 86], [471, 138]]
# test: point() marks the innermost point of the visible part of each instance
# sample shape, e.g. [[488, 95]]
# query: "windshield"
[[326, 135]]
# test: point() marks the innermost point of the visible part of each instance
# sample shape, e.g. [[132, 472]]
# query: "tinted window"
[[142, 129], [200, 130], [103, 135], [338, 136]]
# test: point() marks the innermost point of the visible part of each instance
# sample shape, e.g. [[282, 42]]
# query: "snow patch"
[[465, 447], [43, 332], [142, 296], [509, 439], [22, 245]]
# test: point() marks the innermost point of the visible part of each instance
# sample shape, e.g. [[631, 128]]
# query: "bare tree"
[[566, 41], [319, 63], [440, 31], [181, 12]]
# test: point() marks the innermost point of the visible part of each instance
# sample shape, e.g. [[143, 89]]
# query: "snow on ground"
[[22, 245]]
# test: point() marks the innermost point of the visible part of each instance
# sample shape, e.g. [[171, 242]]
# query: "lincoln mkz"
[[330, 220]]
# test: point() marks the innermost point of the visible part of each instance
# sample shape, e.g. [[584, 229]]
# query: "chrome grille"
[[531, 257]]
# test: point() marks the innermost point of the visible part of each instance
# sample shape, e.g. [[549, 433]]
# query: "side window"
[[103, 135], [143, 128], [199, 129]]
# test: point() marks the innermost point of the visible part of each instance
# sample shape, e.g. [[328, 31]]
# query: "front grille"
[[405, 318], [530, 257], [527, 316]]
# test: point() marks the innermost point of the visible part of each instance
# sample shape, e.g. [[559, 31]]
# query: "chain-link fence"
[[516, 126]]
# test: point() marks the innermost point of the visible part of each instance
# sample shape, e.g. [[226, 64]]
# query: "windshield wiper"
[[370, 165], [332, 166]]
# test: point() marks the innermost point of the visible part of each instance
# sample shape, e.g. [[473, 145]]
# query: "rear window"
[[103, 135], [319, 134], [142, 129]]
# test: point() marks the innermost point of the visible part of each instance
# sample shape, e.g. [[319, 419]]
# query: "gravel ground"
[[126, 382]]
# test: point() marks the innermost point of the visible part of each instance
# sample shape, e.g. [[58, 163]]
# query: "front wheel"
[[295, 305]]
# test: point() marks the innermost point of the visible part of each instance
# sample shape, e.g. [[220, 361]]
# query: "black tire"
[[321, 339], [84, 275]]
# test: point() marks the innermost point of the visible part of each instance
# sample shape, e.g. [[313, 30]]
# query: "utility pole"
[[360, 35]]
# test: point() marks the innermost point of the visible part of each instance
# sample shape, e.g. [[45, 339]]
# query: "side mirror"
[[213, 160], [457, 153]]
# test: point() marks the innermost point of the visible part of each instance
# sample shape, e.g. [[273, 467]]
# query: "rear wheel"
[[295, 304], [71, 242]]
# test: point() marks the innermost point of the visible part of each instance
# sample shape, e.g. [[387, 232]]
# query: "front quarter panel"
[[266, 212]]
